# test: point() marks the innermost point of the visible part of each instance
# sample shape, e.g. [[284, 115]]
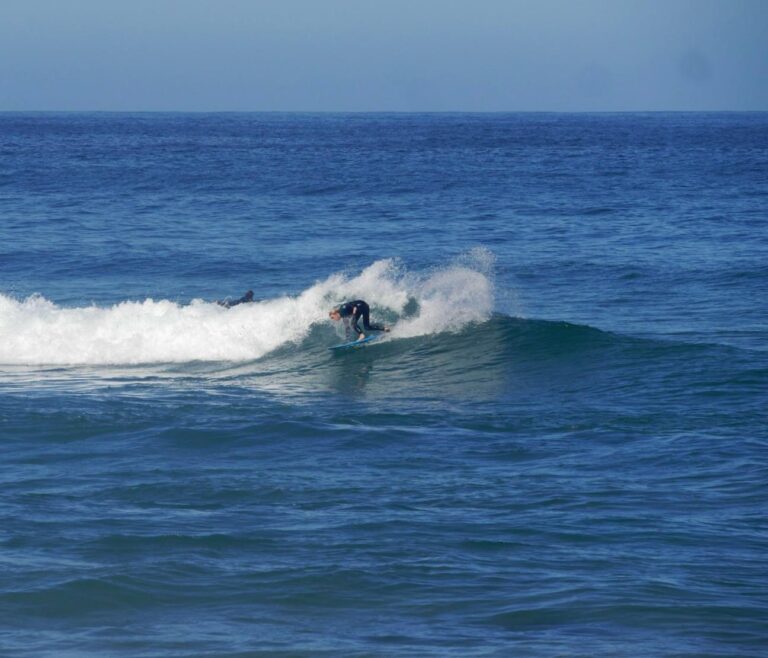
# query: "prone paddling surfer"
[[247, 298], [350, 313]]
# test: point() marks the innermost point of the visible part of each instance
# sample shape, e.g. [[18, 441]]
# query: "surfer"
[[247, 298], [350, 313]]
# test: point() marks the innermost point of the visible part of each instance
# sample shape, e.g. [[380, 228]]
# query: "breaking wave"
[[36, 331]]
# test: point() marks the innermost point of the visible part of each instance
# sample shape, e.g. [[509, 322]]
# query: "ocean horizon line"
[[387, 112]]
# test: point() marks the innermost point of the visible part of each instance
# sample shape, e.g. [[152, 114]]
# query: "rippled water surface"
[[560, 449]]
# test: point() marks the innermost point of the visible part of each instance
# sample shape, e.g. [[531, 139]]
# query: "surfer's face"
[[334, 315]]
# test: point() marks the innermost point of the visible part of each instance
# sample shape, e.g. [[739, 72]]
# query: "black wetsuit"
[[247, 298], [353, 311]]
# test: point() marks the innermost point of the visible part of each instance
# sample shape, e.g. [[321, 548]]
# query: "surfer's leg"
[[365, 311]]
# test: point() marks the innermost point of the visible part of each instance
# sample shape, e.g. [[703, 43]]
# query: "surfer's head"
[[335, 314]]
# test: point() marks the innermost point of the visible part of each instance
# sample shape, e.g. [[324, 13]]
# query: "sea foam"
[[36, 331]]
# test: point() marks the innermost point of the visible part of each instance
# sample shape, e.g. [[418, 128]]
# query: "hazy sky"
[[383, 55]]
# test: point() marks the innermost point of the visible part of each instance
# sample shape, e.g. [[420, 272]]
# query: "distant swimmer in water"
[[247, 298], [350, 313]]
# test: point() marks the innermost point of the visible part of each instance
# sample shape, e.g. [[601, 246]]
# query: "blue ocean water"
[[561, 448]]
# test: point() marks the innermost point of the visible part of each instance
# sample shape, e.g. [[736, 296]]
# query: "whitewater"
[[36, 331]]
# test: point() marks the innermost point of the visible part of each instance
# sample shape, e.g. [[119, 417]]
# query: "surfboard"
[[354, 344]]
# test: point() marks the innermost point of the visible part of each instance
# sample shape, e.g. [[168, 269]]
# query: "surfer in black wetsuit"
[[247, 298], [351, 312]]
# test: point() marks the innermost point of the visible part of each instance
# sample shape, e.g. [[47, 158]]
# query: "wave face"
[[36, 331]]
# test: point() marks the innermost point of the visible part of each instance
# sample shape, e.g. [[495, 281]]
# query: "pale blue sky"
[[412, 55]]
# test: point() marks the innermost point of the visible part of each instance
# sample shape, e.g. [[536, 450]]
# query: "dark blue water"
[[561, 448]]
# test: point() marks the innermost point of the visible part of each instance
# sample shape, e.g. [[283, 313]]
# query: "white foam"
[[36, 331], [448, 301]]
